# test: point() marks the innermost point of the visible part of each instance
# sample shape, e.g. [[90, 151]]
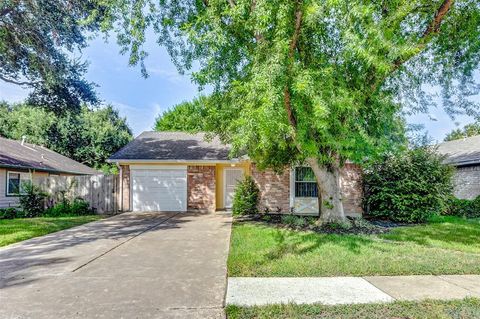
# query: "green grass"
[[466, 308], [15, 230], [447, 245]]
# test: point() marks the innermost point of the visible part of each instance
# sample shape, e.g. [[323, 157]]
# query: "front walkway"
[[135, 265], [252, 291]]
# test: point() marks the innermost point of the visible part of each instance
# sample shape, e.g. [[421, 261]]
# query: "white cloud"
[[139, 118]]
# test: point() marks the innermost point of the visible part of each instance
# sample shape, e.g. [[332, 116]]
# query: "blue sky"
[[140, 100]]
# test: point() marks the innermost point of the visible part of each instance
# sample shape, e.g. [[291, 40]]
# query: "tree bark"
[[330, 203]]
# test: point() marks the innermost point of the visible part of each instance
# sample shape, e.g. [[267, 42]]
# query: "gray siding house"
[[22, 162], [464, 154]]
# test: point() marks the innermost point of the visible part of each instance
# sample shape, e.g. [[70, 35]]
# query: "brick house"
[[464, 155], [176, 171]]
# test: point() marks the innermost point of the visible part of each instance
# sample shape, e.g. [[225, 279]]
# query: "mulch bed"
[[355, 226]]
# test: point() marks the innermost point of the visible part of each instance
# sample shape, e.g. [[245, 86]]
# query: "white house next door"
[[232, 177]]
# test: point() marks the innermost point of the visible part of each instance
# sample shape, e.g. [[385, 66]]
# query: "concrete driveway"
[[135, 265]]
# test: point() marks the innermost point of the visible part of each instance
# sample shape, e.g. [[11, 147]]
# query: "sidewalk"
[[249, 291]]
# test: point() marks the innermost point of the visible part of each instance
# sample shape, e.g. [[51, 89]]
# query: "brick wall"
[[125, 192], [352, 189], [467, 182], [274, 190], [201, 188]]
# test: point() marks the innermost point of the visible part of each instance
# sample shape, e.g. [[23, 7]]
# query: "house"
[[177, 171], [21, 163], [464, 154]]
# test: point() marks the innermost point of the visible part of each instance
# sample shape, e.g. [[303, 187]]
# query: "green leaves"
[[333, 85], [408, 187], [89, 136]]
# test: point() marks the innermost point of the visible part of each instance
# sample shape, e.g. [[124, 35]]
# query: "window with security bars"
[[305, 184]]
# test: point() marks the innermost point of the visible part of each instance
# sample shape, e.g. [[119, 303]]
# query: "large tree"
[[38, 42], [312, 81], [188, 116], [89, 136]]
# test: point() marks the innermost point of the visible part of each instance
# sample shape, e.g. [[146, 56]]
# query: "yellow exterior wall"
[[219, 174]]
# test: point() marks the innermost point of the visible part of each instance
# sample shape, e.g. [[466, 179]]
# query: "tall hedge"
[[409, 187]]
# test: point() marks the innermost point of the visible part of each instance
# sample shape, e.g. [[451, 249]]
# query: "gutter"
[[49, 170], [171, 161]]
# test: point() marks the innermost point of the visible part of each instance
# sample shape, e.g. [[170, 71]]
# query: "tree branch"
[[437, 20], [17, 82], [433, 28]]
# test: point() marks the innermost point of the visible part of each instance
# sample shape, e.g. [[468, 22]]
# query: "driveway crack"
[[124, 242]]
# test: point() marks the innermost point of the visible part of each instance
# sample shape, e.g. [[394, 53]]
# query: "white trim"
[[140, 167], [292, 187], [172, 161], [7, 190], [225, 183]]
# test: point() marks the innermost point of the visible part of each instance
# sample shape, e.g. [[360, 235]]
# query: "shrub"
[[9, 213], [77, 207], [246, 197], [463, 207], [33, 201], [409, 188]]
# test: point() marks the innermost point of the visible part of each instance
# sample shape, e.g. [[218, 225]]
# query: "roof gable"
[[30, 156], [460, 152], [173, 146]]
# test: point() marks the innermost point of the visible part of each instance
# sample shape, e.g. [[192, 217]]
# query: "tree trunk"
[[330, 203]]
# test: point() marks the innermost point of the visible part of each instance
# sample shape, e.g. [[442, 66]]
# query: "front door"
[[232, 177]]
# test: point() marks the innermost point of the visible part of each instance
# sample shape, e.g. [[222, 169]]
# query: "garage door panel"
[[159, 189]]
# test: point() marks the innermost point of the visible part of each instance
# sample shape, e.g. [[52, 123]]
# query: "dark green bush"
[[9, 213], [32, 202], [408, 188], [246, 197], [77, 207], [463, 207]]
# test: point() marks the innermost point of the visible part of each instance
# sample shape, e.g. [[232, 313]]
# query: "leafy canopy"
[[38, 41], [323, 79], [89, 136], [468, 130], [186, 116]]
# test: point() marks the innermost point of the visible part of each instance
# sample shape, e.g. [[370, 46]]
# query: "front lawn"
[[447, 245], [15, 230], [467, 308]]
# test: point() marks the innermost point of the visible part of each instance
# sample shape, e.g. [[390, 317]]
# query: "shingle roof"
[[460, 152], [174, 146], [30, 156]]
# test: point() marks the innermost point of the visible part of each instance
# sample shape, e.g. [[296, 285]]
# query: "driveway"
[[134, 265]]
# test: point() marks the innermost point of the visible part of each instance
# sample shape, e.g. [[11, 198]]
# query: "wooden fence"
[[101, 191]]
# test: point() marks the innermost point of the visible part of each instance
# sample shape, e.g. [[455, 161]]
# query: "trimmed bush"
[[9, 213], [77, 207], [246, 197], [408, 188], [32, 202], [463, 207]]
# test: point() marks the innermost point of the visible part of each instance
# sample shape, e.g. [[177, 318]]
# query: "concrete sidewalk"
[[252, 291]]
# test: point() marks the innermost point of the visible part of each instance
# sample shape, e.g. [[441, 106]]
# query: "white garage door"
[[159, 189]]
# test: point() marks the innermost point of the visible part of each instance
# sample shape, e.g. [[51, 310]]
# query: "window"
[[16, 182], [305, 184]]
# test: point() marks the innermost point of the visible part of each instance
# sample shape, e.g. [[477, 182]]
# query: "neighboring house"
[[176, 171], [464, 154], [22, 163]]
